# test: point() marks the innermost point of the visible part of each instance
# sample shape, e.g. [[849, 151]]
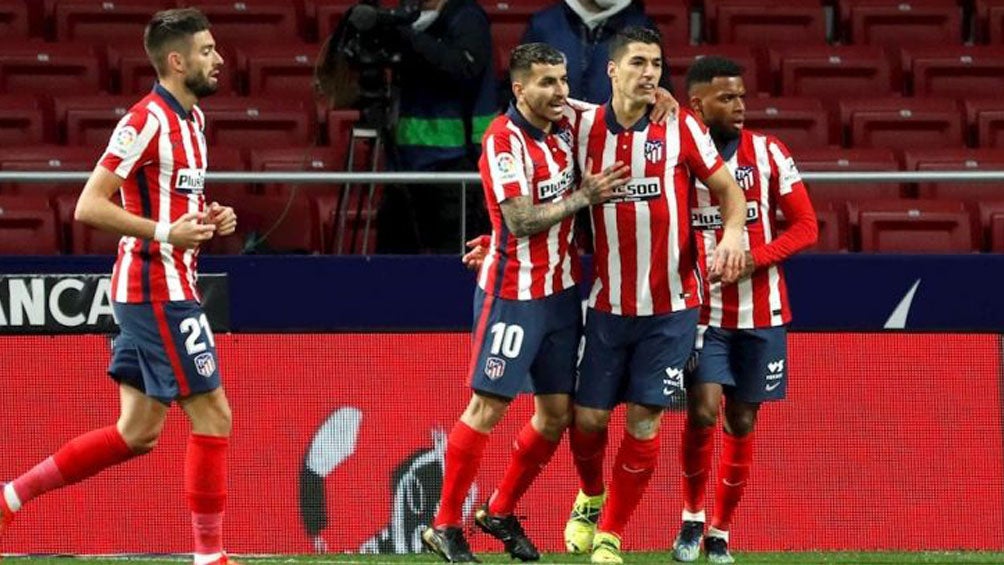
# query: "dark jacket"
[[587, 51], [448, 88]]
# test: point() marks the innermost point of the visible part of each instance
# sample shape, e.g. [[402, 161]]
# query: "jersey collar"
[[727, 148], [517, 118], [615, 127], [171, 101]]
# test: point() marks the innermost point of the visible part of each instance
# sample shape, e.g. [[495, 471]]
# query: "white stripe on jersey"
[[705, 146], [643, 234], [188, 136], [166, 178], [142, 140], [525, 268], [610, 224], [773, 276], [489, 263], [554, 231], [784, 169], [709, 240], [764, 163], [673, 144], [122, 289]]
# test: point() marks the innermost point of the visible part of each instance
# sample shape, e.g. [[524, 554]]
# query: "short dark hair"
[[633, 34], [708, 68], [524, 57], [169, 27]]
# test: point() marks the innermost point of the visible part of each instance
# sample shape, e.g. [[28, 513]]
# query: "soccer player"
[[741, 346], [642, 317], [527, 312], [156, 159]]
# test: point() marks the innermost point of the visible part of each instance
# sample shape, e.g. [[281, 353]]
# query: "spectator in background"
[[448, 98], [583, 30]]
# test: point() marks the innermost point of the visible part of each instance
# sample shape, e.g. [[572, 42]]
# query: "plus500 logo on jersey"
[[710, 217], [645, 188], [191, 180], [556, 185]]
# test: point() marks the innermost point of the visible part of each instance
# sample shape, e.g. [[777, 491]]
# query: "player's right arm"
[[133, 143]]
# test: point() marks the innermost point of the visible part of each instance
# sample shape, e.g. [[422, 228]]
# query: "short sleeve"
[[697, 150], [506, 167], [130, 144]]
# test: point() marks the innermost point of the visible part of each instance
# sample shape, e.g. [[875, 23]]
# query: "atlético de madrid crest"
[[653, 151], [745, 177]]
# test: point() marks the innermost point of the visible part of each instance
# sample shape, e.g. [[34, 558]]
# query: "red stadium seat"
[[848, 160], [273, 223], [512, 11], [798, 122], [13, 19], [235, 22], [259, 123], [958, 160], [48, 158], [917, 226], [956, 72], [758, 22], [505, 37], [45, 68], [303, 159], [23, 121], [78, 238], [833, 228], [340, 123], [27, 226], [990, 213], [678, 59], [283, 70], [328, 15], [90, 120], [903, 123], [101, 22], [986, 120], [223, 158], [910, 22], [830, 72], [995, 22], [672, 18], [133, 74]]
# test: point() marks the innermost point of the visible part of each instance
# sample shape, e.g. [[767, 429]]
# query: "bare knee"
[[209, 413], [483, 412], [141, 440], [552, 415], [643, 421], [740, 418], [591, 420], [702, 416], [703, 402]]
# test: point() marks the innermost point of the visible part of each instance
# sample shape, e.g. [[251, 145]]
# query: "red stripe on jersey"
[[626, 234], [171, 349], [601, 250], [659, 208]]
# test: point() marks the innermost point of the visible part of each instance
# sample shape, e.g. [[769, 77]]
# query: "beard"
[[200, 86], [723, 133]]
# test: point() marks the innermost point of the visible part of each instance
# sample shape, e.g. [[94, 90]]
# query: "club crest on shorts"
[[205, 364], [744, 177], [494, 368], [654, 151]]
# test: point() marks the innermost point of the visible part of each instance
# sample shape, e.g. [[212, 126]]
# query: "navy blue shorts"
[[165, 349], [525, 345], [635, 359], [751, 365]]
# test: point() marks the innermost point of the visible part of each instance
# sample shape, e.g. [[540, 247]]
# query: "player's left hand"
[[747, 271], [478, 251], [665, 106], [729, 261], [224, 217]]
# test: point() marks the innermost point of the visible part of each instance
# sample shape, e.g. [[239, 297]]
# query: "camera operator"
[[447, 98]]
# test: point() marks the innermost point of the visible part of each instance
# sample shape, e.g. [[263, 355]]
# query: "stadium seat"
[[956, 72], [89, 120], [359, 209], [47, 158], [23, 121], [236, 22], [997, 233], [985, 117], [917, 226], [831, 72], [27, 226], [910, 22], [678, 59], [340, 123], [903, 123], [77, 237], [989, 213], [44, 68], [100, 22], [511, 11], [988, 20], [833, 228], [958, 160], [328, 15], [133, 74], [272, 223], [672, 18], [259, 123], [798, 122], [848, 160], [13, 19], [505, 37], [223, 158], [758, 22], [281, 70]]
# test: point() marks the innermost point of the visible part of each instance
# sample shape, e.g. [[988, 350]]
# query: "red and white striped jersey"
[[519, 159], [770, 181], [160, 151], [644, 261]]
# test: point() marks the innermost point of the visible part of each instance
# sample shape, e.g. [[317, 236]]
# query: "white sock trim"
[[714, 532], [693, 516], [201, 559], [11, 498]]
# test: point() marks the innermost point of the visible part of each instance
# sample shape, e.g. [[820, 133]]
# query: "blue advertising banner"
[[856, 292]]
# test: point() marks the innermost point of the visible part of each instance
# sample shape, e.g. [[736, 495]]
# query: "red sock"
[[588, 451], [530, 454], [78, 459], [206, 490], [733, 472], [695, 462], [633, 468], [463, 457]]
